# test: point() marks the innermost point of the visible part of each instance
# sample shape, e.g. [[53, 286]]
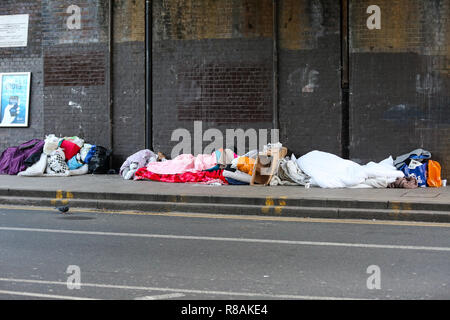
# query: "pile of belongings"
[[222, 167], [314, 169], [273, 167], [417, 165], [185, 168], [268, 167], [55, 157]]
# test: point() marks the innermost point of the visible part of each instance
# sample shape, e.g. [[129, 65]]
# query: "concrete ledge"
[[111, 192], [235, 209], [407, 204]]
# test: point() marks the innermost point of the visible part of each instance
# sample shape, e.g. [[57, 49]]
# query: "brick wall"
[[400, 84], [27, 59], [70, 68], [231, 93], [76, 71], [128, 78], [212, 62], [309, 75]]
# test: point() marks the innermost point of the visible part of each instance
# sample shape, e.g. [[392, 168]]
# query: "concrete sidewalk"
[[111, 192]]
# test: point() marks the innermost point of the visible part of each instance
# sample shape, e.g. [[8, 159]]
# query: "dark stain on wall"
[[75, 69], [225, 93]]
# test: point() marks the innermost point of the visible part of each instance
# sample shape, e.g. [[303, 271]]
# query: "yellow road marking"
[[243, 217], [59, 197]]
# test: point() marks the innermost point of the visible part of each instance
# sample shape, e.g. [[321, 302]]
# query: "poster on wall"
[[14, 30], [14, 99]]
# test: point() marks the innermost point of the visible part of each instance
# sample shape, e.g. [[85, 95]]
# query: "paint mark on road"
[[161, 296], [246, 240]]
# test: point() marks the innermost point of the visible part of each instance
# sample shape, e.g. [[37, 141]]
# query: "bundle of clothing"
[[185, 168], [54, 156], [290, 174], [240, 171], [139, 160], [16, 159], [224, 167]]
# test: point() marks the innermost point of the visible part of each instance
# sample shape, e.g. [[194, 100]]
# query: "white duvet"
[[330, 171]]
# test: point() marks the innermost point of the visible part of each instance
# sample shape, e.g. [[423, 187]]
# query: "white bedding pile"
[[330, 171]]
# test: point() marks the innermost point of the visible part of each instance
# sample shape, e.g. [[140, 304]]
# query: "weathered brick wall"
[[212, 62], [27, 59], [128, 78], [400, 80], [34, 9], [309, 75], [76, 70], [69, 93]]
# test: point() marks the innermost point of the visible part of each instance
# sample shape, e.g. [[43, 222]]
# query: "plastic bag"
[[51, 144], [74, 162], [99, 163], [434, 174], [418, 171]]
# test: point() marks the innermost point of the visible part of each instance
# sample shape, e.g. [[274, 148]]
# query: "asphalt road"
[[183, 256]]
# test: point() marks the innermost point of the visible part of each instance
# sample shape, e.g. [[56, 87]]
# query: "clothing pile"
[[55, 157], [185, 168], [139, 160], [273, 167], [418, 166], [240, 171]]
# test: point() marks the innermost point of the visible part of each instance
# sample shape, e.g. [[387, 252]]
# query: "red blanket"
[[187, 177]]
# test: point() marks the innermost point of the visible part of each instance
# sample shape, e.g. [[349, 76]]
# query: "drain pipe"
[[345, 80], [148, 76]]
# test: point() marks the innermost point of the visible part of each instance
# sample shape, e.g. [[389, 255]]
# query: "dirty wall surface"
[[239, 64]]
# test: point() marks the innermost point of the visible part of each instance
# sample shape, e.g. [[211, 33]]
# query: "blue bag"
[[74, 164], [419, 172]]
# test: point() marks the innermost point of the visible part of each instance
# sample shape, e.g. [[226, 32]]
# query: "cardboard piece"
[[266, 165]]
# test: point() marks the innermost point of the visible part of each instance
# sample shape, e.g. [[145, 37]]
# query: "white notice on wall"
[[14, 30]]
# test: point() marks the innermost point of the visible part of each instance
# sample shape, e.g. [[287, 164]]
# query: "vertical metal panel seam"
[[111, 79], [276, 118], [148, 75]]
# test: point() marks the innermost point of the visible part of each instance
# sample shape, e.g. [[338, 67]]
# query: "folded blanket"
[[289, 173], [237, 175]]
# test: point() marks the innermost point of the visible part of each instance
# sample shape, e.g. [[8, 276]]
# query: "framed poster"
[[14, 99]]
